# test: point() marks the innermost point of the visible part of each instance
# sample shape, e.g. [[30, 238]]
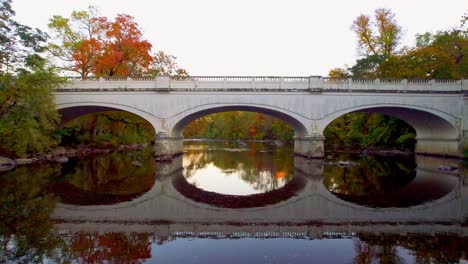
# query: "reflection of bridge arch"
[[295, 185], [313, 203]]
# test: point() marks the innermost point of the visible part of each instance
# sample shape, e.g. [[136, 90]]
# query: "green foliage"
[[27, 111], [360, 130], [107, 129], [367, 67], [20, 45], [239, 125], [379, 37], [112, 174], [439, 55], [27, 108], [374, 176]]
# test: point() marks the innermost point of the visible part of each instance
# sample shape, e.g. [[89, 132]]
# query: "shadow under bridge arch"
[[294, 120]]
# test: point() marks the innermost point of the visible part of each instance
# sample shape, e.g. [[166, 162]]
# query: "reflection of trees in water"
[[369, 248], [373, 175], [382, 248], [26, 232], [263, 166], [112, 173], [372, 252], [110, 247]]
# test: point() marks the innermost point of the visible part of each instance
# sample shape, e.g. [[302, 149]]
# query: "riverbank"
[[62, 154], [373, 152]]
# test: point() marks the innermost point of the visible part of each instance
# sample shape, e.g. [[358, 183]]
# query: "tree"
[[165, 64], [464, 22], [239, 125], [89, 44], [367, 67], [440, 55], [107, 129], [27, 111], [125, 53], [20, 45], [380, 37], [377, 42], [339, 73], [422, 63], [27, 108], [80, 40]]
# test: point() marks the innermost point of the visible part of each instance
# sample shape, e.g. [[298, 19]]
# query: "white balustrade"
[[264, 83]]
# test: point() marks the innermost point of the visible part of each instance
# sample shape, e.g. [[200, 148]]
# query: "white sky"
[[255, 37]]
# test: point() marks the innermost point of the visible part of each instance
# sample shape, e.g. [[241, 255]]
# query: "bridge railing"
[[227, 83], [392, 84]]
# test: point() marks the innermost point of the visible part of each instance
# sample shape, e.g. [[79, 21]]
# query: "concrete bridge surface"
[[436, 109]]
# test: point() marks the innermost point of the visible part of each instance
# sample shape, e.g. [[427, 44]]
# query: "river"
[[235, 202]]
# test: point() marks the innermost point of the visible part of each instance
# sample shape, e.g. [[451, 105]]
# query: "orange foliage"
[[111, 248], [124, 51], [85, 56], [280, 174]]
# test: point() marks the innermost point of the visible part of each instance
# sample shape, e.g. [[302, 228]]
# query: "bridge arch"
[[70, 111], [437, 132], [296, 121], [426, 121]]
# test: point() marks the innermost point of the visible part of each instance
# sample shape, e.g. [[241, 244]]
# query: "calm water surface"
[[235, 202]]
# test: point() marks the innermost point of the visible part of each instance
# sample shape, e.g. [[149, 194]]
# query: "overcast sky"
[[255, 37]]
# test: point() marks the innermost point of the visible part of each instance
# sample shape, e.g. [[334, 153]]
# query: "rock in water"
[[23, 161], [137, 163], [62, 159], [6, 164], [447, 168]]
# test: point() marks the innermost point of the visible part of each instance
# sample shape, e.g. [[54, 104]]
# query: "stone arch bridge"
[[437, 109]]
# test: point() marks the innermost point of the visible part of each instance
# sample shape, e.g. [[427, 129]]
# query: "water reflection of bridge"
[[312, 212], [234, 231]]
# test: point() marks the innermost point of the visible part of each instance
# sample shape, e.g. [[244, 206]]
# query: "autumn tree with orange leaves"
[[77, 41], [124, 51], [92, 45]]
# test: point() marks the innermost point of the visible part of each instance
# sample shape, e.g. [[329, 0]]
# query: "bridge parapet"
[[262, 83]]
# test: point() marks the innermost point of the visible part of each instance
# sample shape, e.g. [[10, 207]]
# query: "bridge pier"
[[167, 147], [450, 147], [167, 168], [310, 146]]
